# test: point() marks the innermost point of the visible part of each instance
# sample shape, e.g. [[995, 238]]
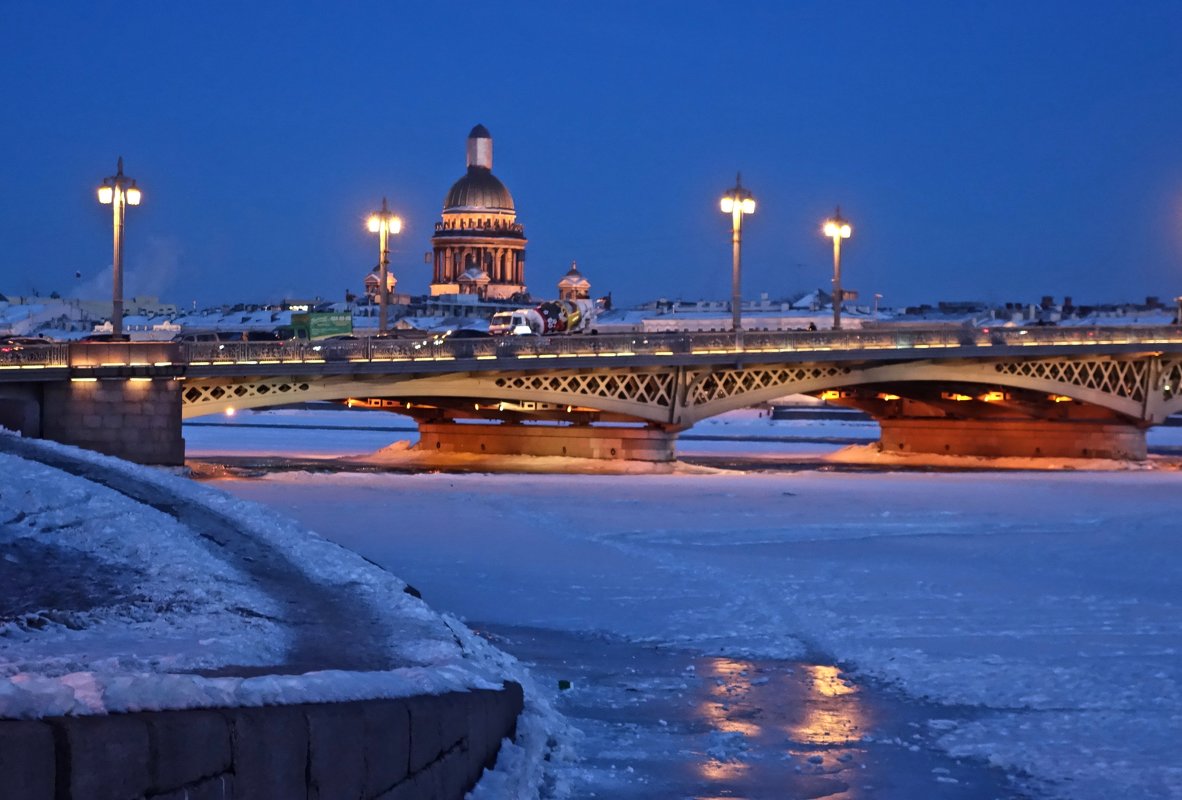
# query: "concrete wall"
[[574, 441], [137, 420], [1016, 438], [417, 748]]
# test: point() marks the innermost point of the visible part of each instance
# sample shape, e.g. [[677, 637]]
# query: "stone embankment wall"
[[415, 748]]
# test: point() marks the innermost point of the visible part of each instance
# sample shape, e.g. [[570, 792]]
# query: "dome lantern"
[[480, 148]]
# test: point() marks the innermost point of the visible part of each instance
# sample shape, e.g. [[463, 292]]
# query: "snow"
[[166, 602], [1027, 619], [1036, 612], [130, 605]]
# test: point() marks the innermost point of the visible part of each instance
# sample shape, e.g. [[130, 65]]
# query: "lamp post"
[[877, 297], [383, 223], [837, 229], [118, 191], [737, 202]]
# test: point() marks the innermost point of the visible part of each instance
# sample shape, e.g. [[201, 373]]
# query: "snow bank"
[[128, 657]]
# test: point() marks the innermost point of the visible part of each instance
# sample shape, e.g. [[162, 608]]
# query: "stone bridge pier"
[[120, 399], [609, 442]]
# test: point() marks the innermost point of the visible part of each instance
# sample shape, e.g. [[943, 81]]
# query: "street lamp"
[[118, 191], [383, 223], [737, 202], [837, 229]]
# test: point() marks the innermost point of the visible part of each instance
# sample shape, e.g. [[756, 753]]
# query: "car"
[[11, 344], [197, 337], [265, 336], [467, 333]]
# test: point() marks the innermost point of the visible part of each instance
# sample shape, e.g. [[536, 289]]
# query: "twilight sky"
[[995, 151]]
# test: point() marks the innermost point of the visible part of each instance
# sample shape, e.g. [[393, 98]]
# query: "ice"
[[1036, 614], [1047, 602]]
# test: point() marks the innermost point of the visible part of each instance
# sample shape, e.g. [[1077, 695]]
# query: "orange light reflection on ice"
[[827, 681], [735, 684], [836, 716], [724, 712], [713, 770]]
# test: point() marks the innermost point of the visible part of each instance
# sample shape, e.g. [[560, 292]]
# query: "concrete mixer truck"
[[555, 317]]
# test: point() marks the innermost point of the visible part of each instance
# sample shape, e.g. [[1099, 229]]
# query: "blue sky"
[[982, 151]]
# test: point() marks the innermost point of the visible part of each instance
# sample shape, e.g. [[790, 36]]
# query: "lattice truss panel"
[[196, 394], [650, 388], [1119, 378], [1171, 378], [723, 384]]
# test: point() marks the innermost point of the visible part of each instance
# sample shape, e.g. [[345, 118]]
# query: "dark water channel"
[[663, 722]]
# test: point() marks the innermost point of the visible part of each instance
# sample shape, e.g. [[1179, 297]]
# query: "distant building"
[[573, 285], [150, 305], [479, 247], [373, 284]]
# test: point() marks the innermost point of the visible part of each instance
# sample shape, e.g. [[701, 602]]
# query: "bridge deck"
[[428, 355]]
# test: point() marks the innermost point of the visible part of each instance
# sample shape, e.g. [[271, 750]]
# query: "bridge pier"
[[1014, 438], [20, 408], [606, 442], [138, 420]]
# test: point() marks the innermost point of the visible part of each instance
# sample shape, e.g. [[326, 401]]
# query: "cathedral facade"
[[479, 246]]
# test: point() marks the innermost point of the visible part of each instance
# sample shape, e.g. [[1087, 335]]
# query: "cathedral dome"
[[478, 190]]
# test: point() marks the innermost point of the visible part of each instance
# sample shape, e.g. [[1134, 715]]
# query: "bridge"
[[1067, 392]]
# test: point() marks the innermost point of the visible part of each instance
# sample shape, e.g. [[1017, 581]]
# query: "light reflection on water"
[[827, 681], [724, 712], [722, 771], [749, 709], [833, 713]]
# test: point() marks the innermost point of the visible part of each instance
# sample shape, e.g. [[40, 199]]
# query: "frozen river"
[[801, 634]]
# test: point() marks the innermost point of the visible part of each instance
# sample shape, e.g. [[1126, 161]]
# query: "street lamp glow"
[[832, 229], [118, 191], [737, 202], [837, 229], [383, 223]]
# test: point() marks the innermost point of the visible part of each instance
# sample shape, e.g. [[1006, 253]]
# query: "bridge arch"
[[679, 397], [1119, 386]]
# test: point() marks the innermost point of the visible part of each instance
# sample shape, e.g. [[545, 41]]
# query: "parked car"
[[467, 333], [11, 344], [198, 337]]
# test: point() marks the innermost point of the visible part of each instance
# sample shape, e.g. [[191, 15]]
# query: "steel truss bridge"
[[1005, 391]]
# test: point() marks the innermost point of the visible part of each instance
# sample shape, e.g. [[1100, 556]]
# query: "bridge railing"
[[34, 356], [430, 347]]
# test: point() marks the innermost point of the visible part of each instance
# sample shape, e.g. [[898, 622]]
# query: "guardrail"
[[430, 348], [519, 348], [34, 356]]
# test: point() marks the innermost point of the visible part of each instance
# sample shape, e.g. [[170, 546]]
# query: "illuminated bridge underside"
[[1097, 406]]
